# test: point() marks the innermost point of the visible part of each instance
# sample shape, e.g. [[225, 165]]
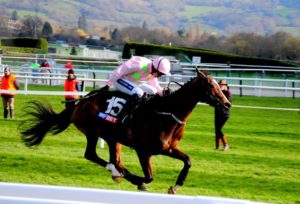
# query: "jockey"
[[137, 69]]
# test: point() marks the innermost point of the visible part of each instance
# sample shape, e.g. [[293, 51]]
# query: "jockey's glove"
[[167, 91]]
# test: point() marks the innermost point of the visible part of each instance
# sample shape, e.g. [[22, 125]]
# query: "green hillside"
[[223, 17]]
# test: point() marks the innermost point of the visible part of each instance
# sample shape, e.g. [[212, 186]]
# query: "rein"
[[175, 82], [173, 116]]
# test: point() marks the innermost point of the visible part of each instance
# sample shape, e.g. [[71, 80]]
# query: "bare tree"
[[4, 26], [291, 49], [32, 26]]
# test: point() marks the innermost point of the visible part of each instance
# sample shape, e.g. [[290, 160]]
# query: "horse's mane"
[[158, 101], [186, 84]]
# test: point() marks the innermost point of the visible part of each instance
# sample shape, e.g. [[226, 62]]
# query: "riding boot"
[[5, 113], [129, 106], [132, 103], [12, 113]]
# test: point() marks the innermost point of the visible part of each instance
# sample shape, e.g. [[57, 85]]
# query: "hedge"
[[25, 45], [207, 56]]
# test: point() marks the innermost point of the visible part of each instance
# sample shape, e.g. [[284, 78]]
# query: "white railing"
[[239, 85], [43, 194], [59, 63]]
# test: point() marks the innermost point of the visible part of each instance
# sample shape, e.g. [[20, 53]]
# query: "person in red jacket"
[[71, 84], [69, 65], [8, 82]]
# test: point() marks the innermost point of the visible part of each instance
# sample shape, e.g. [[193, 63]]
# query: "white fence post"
[[286, 85]]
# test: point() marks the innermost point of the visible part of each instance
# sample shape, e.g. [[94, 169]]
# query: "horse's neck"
[[182, 103]]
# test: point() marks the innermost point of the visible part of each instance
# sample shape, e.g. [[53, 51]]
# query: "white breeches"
[[131, 88]]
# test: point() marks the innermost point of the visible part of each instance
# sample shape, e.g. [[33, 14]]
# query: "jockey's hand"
[[167, 91], [104, 88]]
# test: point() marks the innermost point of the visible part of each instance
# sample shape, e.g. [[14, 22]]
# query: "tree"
[[291, 49], [47, 29], [73, 51], [4, 31], [114, 35], [32, 26], [14, 15], [145, 25], [82, 23], [181, 32], [211, 42]]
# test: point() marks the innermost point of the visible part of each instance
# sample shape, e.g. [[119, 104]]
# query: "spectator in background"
[[45, 64], [45, 68], [71, 84], [8, 82], [35, 69], [69, 65], [221, 116]]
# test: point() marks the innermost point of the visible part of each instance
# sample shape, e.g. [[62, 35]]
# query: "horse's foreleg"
[[145, 161], [177, 154], [90, 151], [116, 163]]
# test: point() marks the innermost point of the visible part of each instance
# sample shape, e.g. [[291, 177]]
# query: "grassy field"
[[263, 163]]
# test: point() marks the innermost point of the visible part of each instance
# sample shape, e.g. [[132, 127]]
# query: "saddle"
[[119, 107]]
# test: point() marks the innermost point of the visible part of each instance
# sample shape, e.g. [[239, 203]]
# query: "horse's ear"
[[200, 73]]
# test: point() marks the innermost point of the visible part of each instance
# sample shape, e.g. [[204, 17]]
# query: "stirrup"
[[125, 119]]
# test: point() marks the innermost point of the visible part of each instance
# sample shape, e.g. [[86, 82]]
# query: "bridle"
[[211, 99], [175, 82]]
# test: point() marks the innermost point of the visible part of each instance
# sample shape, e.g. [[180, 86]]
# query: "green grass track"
[[263, 163]]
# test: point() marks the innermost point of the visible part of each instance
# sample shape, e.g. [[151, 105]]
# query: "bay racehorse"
[[154, 127]]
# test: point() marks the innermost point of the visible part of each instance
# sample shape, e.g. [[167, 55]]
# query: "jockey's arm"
[[114, 77], [154, 82]]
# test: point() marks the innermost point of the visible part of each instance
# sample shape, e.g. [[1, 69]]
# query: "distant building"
[[15, 25]]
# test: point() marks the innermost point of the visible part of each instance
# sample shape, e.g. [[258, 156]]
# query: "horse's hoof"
[[171, 190], [142, 187], [117, 178]]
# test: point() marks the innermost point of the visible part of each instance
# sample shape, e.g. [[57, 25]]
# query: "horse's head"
[[212, 94]]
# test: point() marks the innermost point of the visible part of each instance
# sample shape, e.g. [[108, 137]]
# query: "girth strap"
[[173, 116]]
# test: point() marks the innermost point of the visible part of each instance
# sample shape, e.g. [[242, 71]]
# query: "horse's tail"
[[43, 120]]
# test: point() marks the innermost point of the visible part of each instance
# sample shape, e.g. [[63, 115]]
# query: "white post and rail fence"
[[96, 78]]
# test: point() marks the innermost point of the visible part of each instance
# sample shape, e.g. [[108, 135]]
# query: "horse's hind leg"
[[90, 151], [115, 165]]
